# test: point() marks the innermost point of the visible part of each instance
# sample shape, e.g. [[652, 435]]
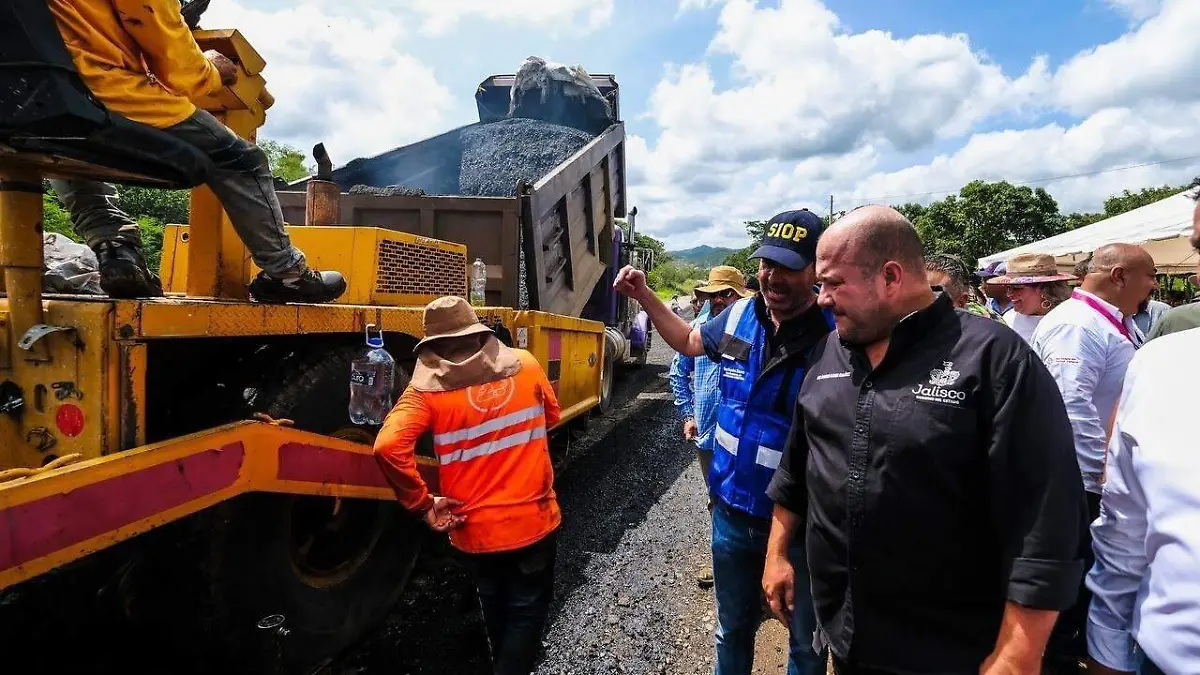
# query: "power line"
[[868, 200]]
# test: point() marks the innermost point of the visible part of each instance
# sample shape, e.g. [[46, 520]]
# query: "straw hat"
[[1030, 268], [725, 278], [450, 317]]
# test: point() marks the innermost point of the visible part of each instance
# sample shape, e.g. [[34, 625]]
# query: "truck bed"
[[563, 222]]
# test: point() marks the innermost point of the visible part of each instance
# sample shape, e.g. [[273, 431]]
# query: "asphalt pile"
[[499, 155]]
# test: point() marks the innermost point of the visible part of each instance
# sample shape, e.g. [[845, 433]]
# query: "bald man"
[[1087, 343], [933, 457]]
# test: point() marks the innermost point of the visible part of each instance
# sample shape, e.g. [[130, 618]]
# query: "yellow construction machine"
[[216, 424]]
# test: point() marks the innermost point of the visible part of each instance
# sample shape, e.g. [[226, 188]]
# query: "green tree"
[[673, 278], [987, 217], [645, 241], [165, 206], [1077, 220], [741, 260], [55, 218], [912, 211], [1128, 201], [756, 229], [287, 162]]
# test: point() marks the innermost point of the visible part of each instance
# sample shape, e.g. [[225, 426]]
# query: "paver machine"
[[198, 445]]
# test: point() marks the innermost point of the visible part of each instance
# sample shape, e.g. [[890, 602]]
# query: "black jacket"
[[939, 486]]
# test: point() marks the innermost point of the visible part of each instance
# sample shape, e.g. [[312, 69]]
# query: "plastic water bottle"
[[372, 375], [479, 283]]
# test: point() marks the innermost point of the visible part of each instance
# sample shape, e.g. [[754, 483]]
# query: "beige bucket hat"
[[1030, 268], [725, 278], [450, 317]]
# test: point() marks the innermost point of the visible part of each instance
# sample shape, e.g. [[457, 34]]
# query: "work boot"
[[310, 286], [123, 271]]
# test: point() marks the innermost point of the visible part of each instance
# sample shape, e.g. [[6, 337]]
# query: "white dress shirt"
[[1087, 356], [1146, 579], [1023, 324]]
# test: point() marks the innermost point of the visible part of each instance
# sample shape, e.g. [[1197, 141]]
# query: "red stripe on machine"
[[30, 531], [317, 464]]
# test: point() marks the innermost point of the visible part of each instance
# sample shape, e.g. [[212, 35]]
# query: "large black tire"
[[332, 577]]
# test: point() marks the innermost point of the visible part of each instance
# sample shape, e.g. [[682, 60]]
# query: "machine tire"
[[607, 373], [256, 568]]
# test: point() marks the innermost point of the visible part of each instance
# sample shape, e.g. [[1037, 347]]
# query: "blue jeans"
[[739, 548]]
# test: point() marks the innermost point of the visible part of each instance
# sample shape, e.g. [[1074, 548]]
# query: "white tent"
[[1162, 228]]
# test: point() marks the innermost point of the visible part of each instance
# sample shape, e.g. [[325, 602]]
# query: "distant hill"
[[703, 256]]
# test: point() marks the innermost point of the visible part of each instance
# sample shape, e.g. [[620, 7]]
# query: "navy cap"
[[791, 239]]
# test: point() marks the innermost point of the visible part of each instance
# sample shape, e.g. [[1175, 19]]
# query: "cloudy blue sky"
[[738, 109]]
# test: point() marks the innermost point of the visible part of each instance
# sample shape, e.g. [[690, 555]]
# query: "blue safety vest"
[[754, 414]]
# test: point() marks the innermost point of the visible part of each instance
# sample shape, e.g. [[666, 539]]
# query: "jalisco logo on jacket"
[[944, 377], [491, 396], [938, 390]]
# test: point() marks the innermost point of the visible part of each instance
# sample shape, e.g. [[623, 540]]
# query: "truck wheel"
[[645, 353], [606, 379], [333, 568]]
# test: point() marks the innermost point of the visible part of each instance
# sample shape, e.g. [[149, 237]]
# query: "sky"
[[739, 109]]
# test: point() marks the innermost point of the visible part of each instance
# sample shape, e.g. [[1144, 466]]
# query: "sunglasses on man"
[[726, 294]]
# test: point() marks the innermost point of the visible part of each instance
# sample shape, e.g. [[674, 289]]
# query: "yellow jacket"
[[137, 57]]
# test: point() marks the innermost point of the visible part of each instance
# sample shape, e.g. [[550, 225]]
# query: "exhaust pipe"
[[323, 199]]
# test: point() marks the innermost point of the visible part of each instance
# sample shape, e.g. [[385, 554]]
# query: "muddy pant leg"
[[491, 582], [530, 590], [515, 590], [95, 212], [245, 187]]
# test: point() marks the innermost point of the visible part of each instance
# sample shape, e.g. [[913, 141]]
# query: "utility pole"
[[831, 209]]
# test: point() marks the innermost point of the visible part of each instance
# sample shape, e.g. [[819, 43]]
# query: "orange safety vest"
[[493, 455]]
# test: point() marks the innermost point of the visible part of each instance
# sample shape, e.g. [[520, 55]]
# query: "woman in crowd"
[[1035, 286]]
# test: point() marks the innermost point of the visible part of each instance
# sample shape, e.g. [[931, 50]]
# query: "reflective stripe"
[[492, 447], [736, 310], [727, 440], [523, 415], [768, 457]]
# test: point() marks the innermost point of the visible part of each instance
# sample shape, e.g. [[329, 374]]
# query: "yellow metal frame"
[[122, 487], [64, 514], [354, 250]]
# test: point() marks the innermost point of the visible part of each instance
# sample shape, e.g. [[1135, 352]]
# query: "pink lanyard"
[[1090, 302]]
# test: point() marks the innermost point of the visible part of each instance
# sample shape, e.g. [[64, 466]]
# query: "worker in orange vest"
[[488, 407]]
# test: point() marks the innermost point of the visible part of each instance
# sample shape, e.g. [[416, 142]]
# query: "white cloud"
[[834, 112], [1137, 10], [1114, 137], [342, 78], [442, 15], [814, 101], [1156, 60], [689, 5]]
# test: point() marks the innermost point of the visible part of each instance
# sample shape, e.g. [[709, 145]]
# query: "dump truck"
[[573, 222], [193, 453]]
